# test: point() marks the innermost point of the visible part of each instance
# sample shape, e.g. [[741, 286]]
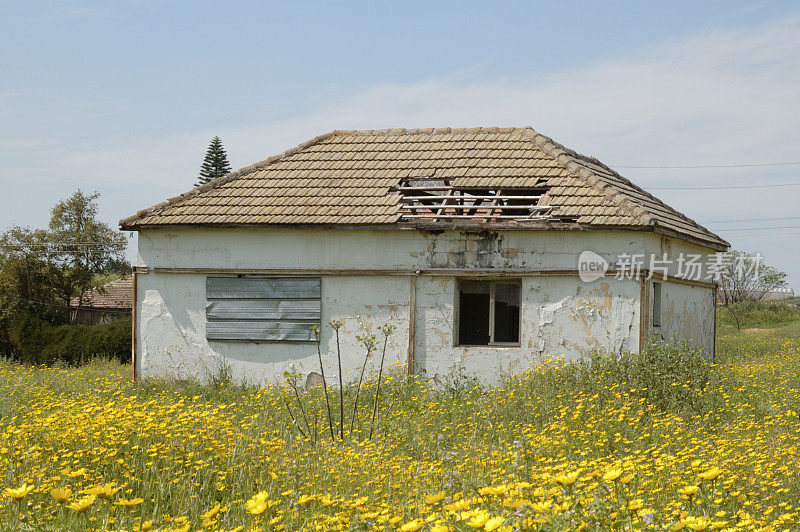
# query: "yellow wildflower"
[[434, 498], [212, 513], [129, 503], [74, 474], [258, 503], [635, 504], [478, 520], [516, 503], [18, 493], [612, 474], [698, 524], [710, 474], [104, 491], [542, 507], [493, 524], [567, 479], [412, 526], [82, 504], [61, 495]]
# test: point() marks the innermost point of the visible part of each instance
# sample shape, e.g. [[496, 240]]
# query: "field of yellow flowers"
[[84, 448]]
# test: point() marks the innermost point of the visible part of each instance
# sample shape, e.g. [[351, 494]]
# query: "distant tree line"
[[42, 270]]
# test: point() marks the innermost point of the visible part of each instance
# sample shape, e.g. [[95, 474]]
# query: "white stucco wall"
[[171, 328], [687, 312], [560, 315], [380, 249]]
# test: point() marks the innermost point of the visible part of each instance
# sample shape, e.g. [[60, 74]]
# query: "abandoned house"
[[105, 303], [467, 240]]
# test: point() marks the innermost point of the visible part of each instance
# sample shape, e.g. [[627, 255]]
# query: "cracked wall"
[[560, 315], [687, 312]]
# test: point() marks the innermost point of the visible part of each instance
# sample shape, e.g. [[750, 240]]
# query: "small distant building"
[[778, 294], [105, 303]]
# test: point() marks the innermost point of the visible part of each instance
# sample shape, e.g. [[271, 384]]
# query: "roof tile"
[[344, 177]]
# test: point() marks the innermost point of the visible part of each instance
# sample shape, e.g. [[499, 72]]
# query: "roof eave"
[[453, 225], [717, 245]]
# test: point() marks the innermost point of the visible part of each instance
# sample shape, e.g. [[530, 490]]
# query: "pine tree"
[[215, 164]]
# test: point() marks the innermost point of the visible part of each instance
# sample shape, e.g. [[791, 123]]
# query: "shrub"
[[758, 314], [669, 375], [37, 342]]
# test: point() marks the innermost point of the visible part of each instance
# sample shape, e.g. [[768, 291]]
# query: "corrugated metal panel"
[[260, 331], [262, 309], [263, 288]]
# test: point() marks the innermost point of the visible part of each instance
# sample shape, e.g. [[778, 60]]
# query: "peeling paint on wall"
[[687, 312], [560, 315]]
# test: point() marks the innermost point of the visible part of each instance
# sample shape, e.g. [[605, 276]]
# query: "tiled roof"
[[116, 294], [345, 177]]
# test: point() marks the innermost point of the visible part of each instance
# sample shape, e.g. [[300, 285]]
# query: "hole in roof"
[[429, 198]]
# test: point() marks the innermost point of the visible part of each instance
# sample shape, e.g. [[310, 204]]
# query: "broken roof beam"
[[417, 189], [471, 197], [477, 216], [438, 206]]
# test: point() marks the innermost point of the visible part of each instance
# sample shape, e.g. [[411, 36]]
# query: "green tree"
[[215, 164], [28, 277], [41, 270], [81, 245], [744, 277]]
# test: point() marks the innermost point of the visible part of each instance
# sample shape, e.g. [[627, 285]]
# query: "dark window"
[[473, 324], [656, 304], [506, 312], [488, 312]]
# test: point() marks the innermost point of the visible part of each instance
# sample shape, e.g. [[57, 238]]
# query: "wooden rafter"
[[438, 199]]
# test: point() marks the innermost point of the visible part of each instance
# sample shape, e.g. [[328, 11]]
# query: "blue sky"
[[123, 98]]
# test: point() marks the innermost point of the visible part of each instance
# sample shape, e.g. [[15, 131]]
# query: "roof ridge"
[[562, 154], [431, 130], [222, 180]]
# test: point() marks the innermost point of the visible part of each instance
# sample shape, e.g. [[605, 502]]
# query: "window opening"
[[488, 312]]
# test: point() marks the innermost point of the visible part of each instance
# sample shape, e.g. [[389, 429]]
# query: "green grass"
[[756, 315], [183, 448]]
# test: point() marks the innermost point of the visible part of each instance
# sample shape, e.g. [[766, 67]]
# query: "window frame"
[[493, 281]]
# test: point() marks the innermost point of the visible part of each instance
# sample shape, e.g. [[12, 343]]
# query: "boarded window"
[[262, 309], [488, 312], [656, 304]]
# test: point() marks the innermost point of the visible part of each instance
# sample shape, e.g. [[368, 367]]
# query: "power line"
[[690, 166], [772, 234], [735, 220], [738, 229], [725, 187]]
